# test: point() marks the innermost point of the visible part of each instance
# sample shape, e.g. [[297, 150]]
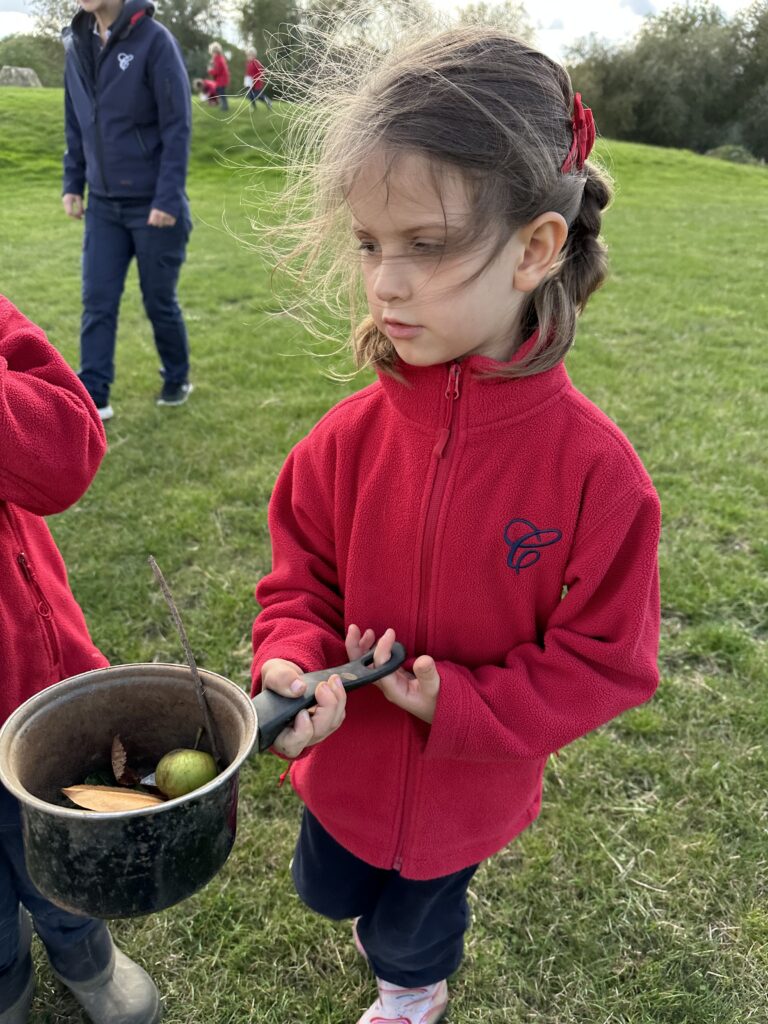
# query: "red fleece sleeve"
[[51, 437], [598, 657], [302, 616]]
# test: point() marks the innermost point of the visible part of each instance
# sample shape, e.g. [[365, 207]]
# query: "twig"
[[199, 689]]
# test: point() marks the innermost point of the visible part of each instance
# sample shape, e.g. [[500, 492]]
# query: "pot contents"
[[128, 787], [181, 771]]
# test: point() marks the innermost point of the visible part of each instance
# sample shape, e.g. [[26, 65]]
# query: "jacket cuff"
[[171, 206], [451, 723]]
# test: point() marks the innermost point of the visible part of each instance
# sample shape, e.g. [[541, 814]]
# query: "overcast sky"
[[559, 22]]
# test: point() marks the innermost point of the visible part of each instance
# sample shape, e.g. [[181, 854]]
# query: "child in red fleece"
[[51, 444], [254, 83], [218, 72], [470, 502], [206, 90]]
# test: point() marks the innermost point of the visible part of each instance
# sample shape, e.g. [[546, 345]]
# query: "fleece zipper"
[[43, 608], [441, 452]]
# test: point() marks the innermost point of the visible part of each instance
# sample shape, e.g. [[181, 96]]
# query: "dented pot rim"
[[14, 721]]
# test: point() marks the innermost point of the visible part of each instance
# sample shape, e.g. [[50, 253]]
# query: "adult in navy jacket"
[[128, 125]]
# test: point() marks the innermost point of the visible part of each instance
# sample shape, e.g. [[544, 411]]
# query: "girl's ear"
[[542, 241]]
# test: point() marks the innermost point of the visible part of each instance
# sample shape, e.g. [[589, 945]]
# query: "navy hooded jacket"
[[127, 111]]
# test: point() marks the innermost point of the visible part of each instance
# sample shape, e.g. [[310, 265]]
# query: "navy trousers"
[[116, 230], [413, 932], [79, 948]]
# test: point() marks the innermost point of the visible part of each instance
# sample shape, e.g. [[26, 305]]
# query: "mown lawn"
[[639, 897]]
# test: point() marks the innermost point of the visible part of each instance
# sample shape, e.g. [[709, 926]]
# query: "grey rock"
[[19, 76]]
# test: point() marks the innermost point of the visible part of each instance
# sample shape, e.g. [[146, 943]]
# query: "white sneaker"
[[424, 1005], [106, 412], [123, 993]]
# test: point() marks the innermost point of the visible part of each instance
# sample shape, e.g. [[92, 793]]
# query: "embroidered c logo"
[[525, 540], [124, 59]]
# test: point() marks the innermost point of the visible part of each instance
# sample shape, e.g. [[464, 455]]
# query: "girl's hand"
[[415, 692], [309, 726]]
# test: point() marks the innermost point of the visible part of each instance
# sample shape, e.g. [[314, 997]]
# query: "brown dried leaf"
[[123, 774], [110, 798]]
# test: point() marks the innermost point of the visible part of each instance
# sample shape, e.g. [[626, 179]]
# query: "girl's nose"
[[390, 281]]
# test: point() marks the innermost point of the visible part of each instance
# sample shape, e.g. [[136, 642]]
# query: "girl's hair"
[[473, 99], [215, 48]]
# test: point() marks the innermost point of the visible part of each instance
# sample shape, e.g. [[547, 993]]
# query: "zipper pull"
[[25, 567], [452, 391]]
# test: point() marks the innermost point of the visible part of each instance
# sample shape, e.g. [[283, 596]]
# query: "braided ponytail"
[[580, 270]]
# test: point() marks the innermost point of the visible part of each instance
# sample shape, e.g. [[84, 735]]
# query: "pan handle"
[[274, 712]]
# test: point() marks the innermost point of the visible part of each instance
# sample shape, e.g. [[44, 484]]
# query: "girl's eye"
[[424, 246], [367, 247]]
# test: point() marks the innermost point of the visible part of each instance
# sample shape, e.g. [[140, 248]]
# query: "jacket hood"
[[132, 13]]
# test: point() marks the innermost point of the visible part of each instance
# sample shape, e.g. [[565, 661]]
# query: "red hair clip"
[[583, 136]]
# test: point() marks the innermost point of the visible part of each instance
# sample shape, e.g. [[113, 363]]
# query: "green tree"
[[42, 53], [51, 16], [265, 23], [753, 87], [509, 15], [679, 82]]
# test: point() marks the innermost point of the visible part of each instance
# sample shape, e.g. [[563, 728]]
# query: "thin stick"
[[199, 689]]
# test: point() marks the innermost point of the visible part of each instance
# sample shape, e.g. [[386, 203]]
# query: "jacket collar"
[[132, 14], [422, 394]]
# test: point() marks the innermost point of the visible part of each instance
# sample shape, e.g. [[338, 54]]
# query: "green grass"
[[639, 897]]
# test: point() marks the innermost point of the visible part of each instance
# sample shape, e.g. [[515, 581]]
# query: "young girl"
[[470, 502], [254, 79], [206, 90], [218, 73]]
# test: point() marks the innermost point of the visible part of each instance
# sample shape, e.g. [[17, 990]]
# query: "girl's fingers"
[[358, 643], [295, 737], [384, 647], [331, 706]]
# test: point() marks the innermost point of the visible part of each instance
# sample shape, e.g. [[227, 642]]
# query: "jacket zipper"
[[91, 88], [441, 452], [43, 608]]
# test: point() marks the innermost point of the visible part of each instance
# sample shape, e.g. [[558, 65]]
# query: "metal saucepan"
[[127, 863]]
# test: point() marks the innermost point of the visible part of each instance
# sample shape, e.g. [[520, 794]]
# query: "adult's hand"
[[73, 205], [159, 219], [309, 727]]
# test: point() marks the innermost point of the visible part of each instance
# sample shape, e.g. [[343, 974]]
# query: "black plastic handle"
[[274, 712]]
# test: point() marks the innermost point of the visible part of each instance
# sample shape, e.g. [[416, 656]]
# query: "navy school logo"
[[124, 59], [525, 542]]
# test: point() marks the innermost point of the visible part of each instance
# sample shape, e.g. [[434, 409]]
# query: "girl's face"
[[422, 296]]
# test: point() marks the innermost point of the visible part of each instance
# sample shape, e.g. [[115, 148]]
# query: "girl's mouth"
[[401, 331]]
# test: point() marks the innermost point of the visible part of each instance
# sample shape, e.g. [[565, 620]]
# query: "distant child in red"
[[206, 90], [218, 72], [52, 442], [254, 79], [470, 501]]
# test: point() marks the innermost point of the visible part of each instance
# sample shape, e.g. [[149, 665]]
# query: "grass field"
[[639, 896]]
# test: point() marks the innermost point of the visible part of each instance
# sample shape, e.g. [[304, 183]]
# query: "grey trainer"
[[123, 993]]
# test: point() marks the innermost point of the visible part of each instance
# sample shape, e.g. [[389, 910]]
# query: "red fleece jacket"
[[51, 444], [219, 70], [508, 529]]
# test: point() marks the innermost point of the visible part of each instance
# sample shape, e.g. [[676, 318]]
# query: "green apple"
[[180, 771]]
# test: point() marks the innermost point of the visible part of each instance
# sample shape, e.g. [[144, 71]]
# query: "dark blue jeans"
[[221, 92], [413, 932], [78, 947], [116, 230]]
